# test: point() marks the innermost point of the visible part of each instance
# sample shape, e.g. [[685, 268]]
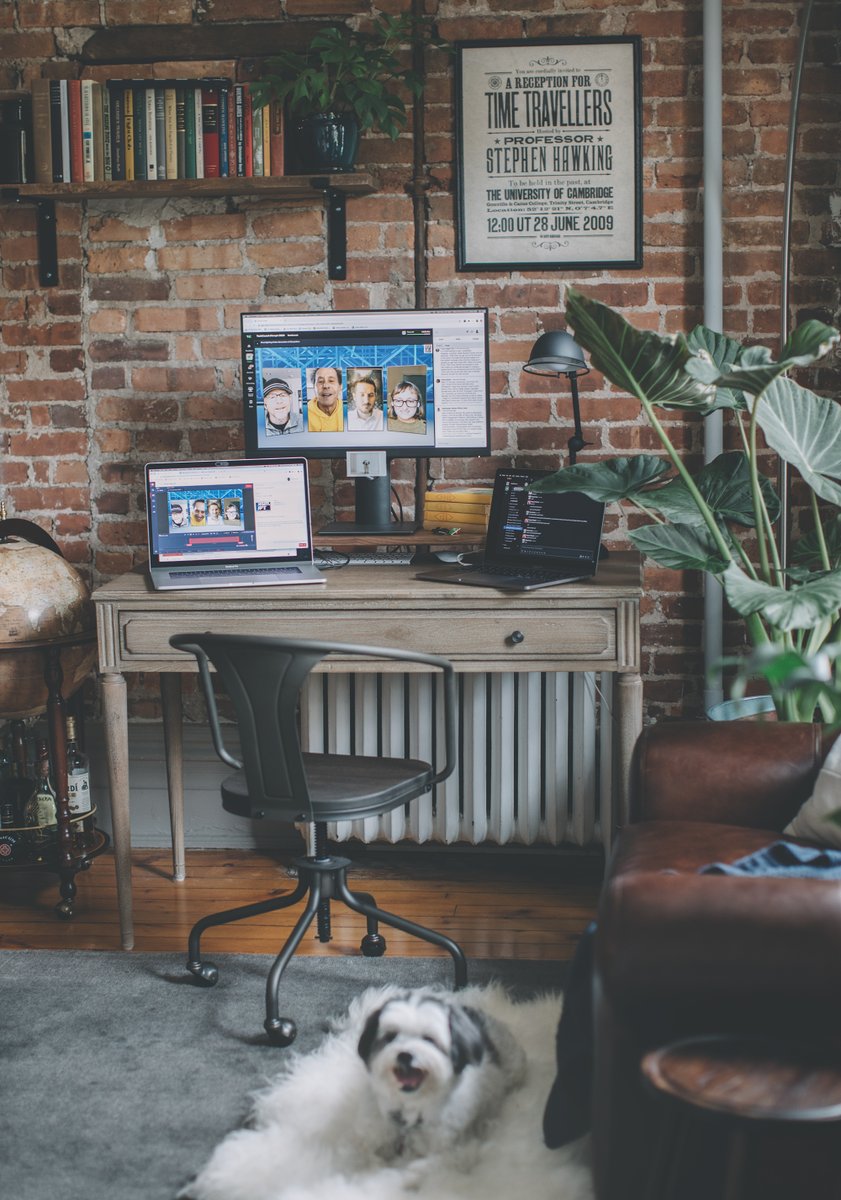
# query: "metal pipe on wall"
[[713, 309], [785, 263]]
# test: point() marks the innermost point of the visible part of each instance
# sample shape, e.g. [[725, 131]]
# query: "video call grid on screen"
[[258, 511], [442, 354]]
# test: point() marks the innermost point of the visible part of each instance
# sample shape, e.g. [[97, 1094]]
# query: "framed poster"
[[549, 154]]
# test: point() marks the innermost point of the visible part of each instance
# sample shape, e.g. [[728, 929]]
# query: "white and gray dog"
[[439, 1069]]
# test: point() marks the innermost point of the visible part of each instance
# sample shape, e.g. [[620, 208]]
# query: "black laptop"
[[534, 539]]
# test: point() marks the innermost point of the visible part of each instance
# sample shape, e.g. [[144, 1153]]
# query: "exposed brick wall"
[[135, 354]]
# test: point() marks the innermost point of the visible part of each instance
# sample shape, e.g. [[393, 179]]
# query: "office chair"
[[276, 780]]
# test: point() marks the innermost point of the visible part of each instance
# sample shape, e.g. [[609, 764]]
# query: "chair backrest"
[[263, 677]]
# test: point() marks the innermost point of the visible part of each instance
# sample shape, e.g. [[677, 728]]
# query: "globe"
[[43, 600]]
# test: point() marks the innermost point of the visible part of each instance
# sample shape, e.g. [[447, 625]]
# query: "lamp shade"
[[556, 353]]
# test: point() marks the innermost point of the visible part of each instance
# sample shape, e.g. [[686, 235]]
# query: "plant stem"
[[757, 495], [820, 534]]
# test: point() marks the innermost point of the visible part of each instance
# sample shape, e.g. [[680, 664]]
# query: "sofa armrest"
[[755, 774]]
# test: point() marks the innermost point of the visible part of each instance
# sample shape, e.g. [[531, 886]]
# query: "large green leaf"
[[609, 480], [724, 484], [806, 549], [805, 430], [681, 547], [755, 369], [723, 351], [801, 606], [641, 362]]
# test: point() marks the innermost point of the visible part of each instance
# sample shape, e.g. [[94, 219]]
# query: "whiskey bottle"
[[40, 810], [78, 777], [16, 784]]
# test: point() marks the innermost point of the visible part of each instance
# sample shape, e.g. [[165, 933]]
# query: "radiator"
[[535, 754]]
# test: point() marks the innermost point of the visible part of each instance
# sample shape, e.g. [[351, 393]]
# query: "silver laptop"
[[235, 523], [534, 539]]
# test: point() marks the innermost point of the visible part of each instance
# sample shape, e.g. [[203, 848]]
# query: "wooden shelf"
[[333, 190], [275, 187]]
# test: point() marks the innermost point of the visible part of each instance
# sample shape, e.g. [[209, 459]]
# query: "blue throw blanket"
[[784, 859]]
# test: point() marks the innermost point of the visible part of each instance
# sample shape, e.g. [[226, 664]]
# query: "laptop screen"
[[227, 512], [540, 528]]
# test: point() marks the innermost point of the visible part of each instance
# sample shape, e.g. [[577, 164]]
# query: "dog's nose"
[[404, 1058]]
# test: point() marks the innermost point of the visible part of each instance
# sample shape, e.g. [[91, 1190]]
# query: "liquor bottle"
[[78, 777], [16, 783], [40, 810]]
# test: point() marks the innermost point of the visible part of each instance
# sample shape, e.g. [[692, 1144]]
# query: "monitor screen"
[[410, 383]]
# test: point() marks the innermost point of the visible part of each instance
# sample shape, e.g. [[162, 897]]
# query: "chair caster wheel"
[[281, 1031], [205, 974], [373, 945]]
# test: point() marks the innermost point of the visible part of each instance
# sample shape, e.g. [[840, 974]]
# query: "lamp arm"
[[576, 442]]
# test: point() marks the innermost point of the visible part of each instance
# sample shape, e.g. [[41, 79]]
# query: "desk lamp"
[[556, 353]]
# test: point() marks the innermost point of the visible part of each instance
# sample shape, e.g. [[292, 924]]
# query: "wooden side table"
[[762, 1093]]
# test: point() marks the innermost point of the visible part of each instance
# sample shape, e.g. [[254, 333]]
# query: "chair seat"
[[342, 787]]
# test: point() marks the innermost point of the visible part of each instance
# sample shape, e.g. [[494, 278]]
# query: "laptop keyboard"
[[253, 573], [522, 573]]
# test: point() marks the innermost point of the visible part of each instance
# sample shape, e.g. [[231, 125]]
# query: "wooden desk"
[[589, 626]]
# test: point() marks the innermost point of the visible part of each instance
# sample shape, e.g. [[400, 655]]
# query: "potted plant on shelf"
[[721, 518], [344, 82]]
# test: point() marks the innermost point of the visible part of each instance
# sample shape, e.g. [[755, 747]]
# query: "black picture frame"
[[549, 154]]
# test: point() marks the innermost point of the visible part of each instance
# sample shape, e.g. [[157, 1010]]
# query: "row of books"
[[464, 510], [127, 129]]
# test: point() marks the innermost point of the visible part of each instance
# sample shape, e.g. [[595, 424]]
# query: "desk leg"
[[174, 742], [115, 712], [630, 727]]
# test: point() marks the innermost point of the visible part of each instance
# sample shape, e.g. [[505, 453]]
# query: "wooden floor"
[[495, 905]]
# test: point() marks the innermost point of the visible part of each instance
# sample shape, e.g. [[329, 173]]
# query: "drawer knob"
[[515, 638]]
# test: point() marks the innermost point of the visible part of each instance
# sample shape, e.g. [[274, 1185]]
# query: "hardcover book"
[[210, 131], [43, 149], [78, 150]]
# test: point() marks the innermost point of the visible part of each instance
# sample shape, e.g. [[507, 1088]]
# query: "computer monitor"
[[401, 384]]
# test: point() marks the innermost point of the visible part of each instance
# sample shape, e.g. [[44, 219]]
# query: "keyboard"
[[386, 559], [218, 572]]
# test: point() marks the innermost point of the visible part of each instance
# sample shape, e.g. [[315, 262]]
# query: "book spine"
[[197, 132], [224, 107], [232, 133], [64, 102], [151, 133], [257, 140], [277, 137], [86, 129], [76, 119], [449, 516], [107, 138], [266, 112], [128, 130], [98, 132], [210, 131], [160, 131], [118, 130], [181, 130], [190, 132], [247, 132], [42, 143], [239, 128], [55, 130], [139, 132], [170, 132]]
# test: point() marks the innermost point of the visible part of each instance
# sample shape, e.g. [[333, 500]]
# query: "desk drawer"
[[476, 638]]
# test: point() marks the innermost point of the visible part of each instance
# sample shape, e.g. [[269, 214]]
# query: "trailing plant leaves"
[[801, 606], [680, 547], [641, 362], [609, 480], [805, 430], [725, 486]]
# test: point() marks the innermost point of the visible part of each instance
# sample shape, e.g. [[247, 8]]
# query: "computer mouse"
[[448, 556]]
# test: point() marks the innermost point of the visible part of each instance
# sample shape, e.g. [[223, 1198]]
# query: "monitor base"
[[392, 532]]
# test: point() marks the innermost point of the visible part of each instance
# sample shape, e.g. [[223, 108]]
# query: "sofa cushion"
[[812, 821]]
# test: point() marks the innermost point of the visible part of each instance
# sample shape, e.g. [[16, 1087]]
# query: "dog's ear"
[[368, 1035], [469, 1039]]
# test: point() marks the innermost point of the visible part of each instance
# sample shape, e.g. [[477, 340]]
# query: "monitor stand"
[[373, 513]]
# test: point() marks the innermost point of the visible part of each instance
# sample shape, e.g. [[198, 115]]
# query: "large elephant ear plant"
[[721, 518]]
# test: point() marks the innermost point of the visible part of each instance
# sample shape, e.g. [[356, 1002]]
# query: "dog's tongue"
[[409, 1078]]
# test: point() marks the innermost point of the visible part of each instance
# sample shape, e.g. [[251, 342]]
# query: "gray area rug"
[[118, 1076]]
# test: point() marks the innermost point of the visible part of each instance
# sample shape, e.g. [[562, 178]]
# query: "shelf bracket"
[[336, 234], [47, 243]]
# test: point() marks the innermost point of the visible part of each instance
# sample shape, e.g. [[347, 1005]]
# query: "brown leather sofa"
[[678, 953]]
